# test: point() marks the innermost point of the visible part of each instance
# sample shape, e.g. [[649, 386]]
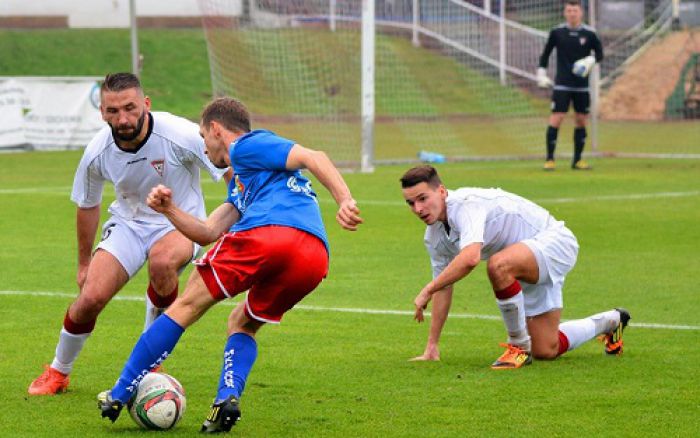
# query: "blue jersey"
[[265, 192]]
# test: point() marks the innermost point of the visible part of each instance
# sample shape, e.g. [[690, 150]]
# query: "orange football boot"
[[50, 382]]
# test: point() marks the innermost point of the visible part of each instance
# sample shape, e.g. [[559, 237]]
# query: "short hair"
[[120, 82], [230, 112], [416, 175], [573, 3]]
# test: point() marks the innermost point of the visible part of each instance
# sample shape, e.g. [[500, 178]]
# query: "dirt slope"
[[640, 93]]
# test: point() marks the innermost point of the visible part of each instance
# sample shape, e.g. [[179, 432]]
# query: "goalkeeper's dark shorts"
[[562, 98]]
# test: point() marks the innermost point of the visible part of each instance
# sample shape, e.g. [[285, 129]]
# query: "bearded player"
[[137, 151]]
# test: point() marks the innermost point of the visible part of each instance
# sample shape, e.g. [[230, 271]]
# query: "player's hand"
[[349, 215], [421, 303], [81, 276], [583, 66], [160, 199], [431, 353], [543, 80]]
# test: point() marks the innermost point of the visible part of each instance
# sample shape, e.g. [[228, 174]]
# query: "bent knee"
[[161, 267], [549, 352], [497, 266]]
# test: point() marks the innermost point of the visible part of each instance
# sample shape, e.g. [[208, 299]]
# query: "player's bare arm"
[[200, 231], [464, 263], [87, 220], [442, 301], [322, 168]]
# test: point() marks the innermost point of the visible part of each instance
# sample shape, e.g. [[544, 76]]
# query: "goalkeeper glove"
[[542, 80], [583, 66]]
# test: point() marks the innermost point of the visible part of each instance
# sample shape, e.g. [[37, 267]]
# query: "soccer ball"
[[159, 402]]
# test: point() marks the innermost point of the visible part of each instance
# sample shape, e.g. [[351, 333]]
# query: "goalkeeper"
[[574, 42]]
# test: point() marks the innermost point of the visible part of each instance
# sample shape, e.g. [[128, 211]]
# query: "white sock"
[[583, 330], [67, 350], [513, 312], [605, 322], [578, 331], [152, 312]]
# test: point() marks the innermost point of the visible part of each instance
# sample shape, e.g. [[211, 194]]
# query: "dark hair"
[[419, 174], [231, 113], [120, 82], [573, 3]]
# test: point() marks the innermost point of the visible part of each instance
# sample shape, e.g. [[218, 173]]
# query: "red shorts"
[[277, 265]]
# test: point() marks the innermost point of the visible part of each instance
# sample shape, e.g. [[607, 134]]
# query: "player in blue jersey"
[[271, 242]]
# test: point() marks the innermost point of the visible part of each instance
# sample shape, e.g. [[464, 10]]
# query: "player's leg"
[[609, 324], [157, 343], [560, 105], [551, 339], [166, 258], [581, 102], [555, 251], [223, 272], [113, 262], [240, 353], [293, 263], [505, 268], [544, 332]]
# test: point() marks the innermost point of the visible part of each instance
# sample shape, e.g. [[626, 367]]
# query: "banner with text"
[[48, 113]]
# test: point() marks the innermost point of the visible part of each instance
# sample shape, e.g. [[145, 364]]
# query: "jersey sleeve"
[[270, 154], [470, 219], [597, 47], [195, 152], [548, 47], [88, 183]]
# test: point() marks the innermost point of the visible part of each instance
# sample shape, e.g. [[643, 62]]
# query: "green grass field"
[[327, 372]]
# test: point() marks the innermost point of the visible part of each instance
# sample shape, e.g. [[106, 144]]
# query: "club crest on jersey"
[[158, 165], [582, 40], [238, 186]]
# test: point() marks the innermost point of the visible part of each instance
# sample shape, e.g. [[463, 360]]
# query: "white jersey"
[[492, 217], [172, 154]]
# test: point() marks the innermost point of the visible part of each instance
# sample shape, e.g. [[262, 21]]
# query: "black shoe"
[[613, 340], [110, 408], [222, 417]]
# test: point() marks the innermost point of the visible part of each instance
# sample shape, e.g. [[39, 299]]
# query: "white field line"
[[34, 190], [624, 197], [341, 309]]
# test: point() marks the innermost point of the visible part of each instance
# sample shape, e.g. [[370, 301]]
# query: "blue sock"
[[152, 348], [239, 356]]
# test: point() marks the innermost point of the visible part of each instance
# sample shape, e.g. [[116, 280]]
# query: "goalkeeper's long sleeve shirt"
[[571, 45]]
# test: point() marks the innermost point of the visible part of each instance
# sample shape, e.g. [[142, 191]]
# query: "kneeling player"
[[271, 242], [528, 255]]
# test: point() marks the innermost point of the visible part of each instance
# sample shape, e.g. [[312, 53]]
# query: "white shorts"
[[130, 241], [556, 250]]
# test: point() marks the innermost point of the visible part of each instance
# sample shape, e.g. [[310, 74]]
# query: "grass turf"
[[332, 373]]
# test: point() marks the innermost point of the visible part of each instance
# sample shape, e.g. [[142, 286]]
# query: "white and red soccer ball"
[[159, 402]]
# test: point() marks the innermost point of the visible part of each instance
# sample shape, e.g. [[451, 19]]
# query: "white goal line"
[[50, 294]]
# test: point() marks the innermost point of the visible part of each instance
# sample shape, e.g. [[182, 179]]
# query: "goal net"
[[451, 77]]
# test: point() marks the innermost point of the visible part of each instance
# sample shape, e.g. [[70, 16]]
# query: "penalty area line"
[[50, 294]]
